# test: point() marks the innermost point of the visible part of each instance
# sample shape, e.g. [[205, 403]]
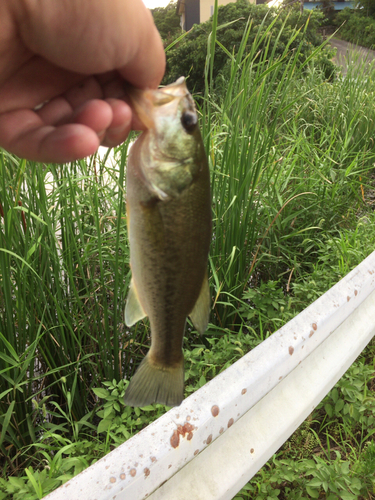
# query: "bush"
[[167, 22], [274, 29], [356, 27]]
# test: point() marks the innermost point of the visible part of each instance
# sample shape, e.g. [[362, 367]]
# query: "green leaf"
[[10, 349], [312, 493], [334, 395], [101, 393], [148, 408], [21, 259], [345, 495], [36, 485], [6, 421], [104, 425], [355, 483], [108, 411], [18, 482], [328, 409], [316, 482], [339, 405]]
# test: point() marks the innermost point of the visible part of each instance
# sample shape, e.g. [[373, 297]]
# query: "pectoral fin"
[[201, 311], [133, 310]]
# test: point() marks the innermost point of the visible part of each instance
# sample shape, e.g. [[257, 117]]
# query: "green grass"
[[64, 275], [288, 154], [292, 159]]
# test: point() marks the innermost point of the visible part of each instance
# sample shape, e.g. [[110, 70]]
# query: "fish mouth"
[[144, 102]]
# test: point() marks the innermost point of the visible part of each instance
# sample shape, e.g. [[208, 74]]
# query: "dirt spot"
[[146, 471], [215, 411], [315, 326], [112, 479], [196, 452], [291, 350], [348, 298], [244, 391], [356, 292], [311, 333], [122, 476], [280, 377], [133, 472], [209, 439], [153, 459], [252, 450], [181, 430], [230, 422], [175, 439]]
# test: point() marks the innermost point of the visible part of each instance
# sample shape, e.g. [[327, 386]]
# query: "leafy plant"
[[271, 31], [118, 421], [358, 27], [291, 158], [167, 21]]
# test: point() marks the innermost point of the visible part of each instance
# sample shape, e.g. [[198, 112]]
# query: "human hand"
[[73, 57]]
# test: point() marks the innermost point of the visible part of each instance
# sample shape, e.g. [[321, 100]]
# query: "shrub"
[[189, 56], [356, 27]]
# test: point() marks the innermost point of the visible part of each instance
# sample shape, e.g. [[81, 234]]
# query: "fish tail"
[[153, 383]]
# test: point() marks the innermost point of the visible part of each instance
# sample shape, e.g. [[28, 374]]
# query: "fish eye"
[[189, 120]]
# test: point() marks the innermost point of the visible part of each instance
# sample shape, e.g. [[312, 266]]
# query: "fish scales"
[[169, 228]]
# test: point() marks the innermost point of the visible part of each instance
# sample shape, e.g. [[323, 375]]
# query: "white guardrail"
[[220, 436]]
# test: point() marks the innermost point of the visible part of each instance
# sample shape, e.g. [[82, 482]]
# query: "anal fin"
[[201, 310], [133, 309]]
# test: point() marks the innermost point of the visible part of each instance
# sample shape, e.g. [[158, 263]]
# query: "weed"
[[291, 157]]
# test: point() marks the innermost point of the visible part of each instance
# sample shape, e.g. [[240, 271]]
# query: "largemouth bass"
[[169, 228]]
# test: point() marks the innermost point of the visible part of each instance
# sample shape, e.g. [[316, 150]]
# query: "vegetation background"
[[189, 56], [292, 155], [358, 26]]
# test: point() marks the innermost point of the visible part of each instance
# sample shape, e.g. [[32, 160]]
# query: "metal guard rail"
[[220, 436]]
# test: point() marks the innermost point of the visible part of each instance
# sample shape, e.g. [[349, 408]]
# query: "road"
[[347, 50]]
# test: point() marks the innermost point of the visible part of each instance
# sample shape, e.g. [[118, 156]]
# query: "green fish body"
[[169, 228]]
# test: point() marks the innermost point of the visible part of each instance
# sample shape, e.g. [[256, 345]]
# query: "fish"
[[168, 204]]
